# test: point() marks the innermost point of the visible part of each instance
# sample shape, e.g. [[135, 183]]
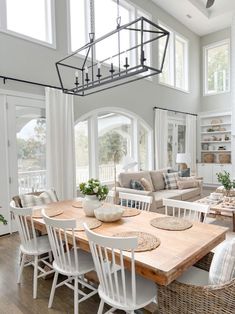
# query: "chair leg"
[[35, 277], [21, 268], [53, 289], [50, 257], [76, 295], [101, 307]]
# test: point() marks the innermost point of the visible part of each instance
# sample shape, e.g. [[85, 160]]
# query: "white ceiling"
[[203, 21]]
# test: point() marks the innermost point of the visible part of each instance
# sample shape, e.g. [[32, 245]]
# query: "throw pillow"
[[136, 185], [222, 267], [184, 173], [146, 184], [171, 180], [45, 197], [187, 184]]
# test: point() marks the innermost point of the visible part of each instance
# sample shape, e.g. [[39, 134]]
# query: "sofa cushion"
[[189, 193], [146, 184], [187, 184], [159, 195], [222, 267], [157, 179], [45, 197], [124, 178]]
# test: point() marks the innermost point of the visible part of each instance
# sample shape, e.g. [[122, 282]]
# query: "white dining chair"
[[190, 210], [120, 288], [142, 202], [31, 245], [68, 261]]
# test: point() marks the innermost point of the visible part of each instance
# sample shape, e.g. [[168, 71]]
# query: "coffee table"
[[218, 208]]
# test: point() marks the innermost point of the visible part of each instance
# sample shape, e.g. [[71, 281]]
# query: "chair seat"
[[43, 246], [195, 276], [146, 292], [85, 264]]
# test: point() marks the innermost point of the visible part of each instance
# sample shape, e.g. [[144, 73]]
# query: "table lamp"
[[184, 160]]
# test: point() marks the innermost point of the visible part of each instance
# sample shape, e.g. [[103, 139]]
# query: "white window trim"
[[205, 49], [6, 31], [91, 117], [172, 60]]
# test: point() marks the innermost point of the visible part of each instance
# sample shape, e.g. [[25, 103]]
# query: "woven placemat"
[[50, 212], [129, 212], [91, 222], [146, 241], [171, 223], [77, 203]]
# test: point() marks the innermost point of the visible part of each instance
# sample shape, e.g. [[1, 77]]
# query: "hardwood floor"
[[17, 299]]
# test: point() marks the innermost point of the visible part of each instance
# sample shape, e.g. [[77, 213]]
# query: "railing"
[[30, 181]]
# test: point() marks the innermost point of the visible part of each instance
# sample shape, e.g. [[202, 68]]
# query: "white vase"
[[90, 203]]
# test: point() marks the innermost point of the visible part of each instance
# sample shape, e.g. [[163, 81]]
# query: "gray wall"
[[26, 60], [221, 101]]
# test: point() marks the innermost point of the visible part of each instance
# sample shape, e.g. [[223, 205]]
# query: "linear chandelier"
[[117, 58]]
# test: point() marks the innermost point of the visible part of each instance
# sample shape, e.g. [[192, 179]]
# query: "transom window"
[[175, 69], [28, 19], [216, 66], [107, 136]]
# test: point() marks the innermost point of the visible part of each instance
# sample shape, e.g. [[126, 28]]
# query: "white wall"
[[26, 60], [220, 102]]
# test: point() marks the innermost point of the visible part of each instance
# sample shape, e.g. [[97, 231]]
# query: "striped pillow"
[[171, 180], [222, 267], [45, 197]]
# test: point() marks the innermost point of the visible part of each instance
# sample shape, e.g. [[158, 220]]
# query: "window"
[[217, 63], [28, 19], [106, 135], [80, 20], [175, 69]]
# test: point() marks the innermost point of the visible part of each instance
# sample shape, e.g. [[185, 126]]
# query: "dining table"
[[178, 250]]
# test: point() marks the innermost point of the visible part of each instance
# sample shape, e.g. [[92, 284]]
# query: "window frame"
[[136, 121], [134, 10], [172, 47], [4, 30], [205, 66]]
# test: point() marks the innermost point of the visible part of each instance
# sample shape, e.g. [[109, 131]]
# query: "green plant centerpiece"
[[225, 180], [94, 193], [3, 220]]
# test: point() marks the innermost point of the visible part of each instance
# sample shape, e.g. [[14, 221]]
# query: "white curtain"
[[60, 143], [191, 135], [161, 137], [233, 90]]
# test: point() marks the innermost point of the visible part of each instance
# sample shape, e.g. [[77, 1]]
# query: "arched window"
[[104, 137]]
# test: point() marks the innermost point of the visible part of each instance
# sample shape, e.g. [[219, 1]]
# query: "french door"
[[176, 140], [23, 149]]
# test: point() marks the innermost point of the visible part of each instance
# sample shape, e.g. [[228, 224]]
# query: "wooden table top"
[[178, 249]]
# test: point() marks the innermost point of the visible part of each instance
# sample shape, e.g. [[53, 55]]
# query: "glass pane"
[[30, 18], [31, 148], [114, 141], [82, 152], [167, 75], [218, 69], [78, 24], [108, 24], [143, 148], [170, 145], [181, 138], [180, 63]]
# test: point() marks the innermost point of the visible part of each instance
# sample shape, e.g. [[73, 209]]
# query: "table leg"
[[233, 221]]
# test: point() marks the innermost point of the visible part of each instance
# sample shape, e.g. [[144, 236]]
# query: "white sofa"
[[156, 180]]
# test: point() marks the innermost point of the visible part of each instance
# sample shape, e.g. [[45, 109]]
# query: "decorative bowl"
[[108, 213]]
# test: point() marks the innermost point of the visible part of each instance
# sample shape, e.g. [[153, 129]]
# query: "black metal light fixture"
[[104, 63]]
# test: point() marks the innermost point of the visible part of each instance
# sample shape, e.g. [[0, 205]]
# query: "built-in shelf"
[[218, 124], [215, 142], [216, 151], [216, 132]]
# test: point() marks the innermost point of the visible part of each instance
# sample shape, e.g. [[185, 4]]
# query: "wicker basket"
[[224, 158], [208, 158]]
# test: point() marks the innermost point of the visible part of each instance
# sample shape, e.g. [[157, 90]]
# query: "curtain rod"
[[176, 111], [5, 78]]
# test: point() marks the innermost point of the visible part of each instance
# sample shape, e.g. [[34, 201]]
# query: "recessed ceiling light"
[[189, 16]]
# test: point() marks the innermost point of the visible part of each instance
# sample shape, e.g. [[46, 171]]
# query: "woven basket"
[[224, 158], [208, 158]]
